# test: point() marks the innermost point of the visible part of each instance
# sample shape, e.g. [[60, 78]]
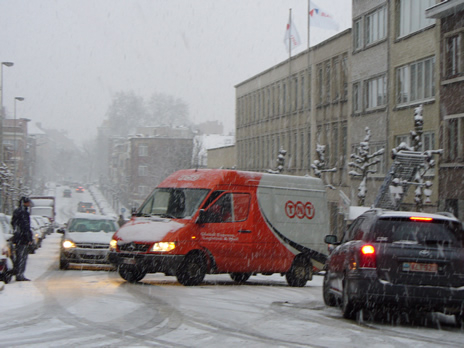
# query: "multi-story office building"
[[374, 75], [297, 105]]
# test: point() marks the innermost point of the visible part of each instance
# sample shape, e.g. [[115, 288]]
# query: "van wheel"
[[300, 271], [64, 264], [329, 299], [348, 307], [131, 274], [192, 270], [240, 278]]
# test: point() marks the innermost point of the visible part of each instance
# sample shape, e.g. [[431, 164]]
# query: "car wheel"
[[348, 308], [299, 272], [64, 264], [240, 278], [329, 299], [131, 274], [192, 270]]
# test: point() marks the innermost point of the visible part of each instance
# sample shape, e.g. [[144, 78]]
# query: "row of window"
[[414, 83], [373, 27], [274, 100]]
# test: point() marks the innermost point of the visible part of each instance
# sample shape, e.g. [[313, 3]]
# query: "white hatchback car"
[[86, 239]]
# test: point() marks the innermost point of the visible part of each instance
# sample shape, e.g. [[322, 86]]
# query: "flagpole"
[[309, 127], [289, 102], [290, 34]]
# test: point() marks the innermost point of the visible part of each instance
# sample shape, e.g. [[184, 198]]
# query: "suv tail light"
[[367, 257]]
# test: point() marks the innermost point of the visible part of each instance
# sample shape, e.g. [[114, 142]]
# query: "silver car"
[[86, 239]]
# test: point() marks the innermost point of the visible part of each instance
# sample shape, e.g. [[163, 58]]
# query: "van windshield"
[[177, 203]]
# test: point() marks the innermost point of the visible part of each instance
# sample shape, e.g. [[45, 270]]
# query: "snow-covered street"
[[94, 307]]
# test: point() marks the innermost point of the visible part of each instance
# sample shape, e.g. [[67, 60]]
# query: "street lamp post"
[[7, 64], [15, 147]]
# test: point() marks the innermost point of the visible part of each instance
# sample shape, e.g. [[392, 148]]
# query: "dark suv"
[[397, 260]]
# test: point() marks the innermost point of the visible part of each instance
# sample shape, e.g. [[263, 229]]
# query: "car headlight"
[[67, 244], [113, 244], [163, 246]]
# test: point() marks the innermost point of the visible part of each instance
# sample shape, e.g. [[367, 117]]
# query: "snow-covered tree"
[[363, 161], [319, 165], [423, 189], [280, 162]]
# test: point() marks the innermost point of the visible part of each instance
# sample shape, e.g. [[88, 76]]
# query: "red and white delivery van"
[[211, 221]]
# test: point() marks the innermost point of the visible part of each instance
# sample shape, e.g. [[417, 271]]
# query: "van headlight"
[[163, 246], [113, 244], [67, 244]]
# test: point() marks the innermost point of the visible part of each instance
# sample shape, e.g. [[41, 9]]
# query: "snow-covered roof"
[[33, 129]]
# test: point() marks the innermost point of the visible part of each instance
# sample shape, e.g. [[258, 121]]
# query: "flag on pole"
[[291, 39], [320, 18]]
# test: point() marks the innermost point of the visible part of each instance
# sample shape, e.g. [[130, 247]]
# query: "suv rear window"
[[404, 230]]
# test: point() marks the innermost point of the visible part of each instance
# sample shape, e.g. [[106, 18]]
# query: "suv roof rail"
[[446, 213]]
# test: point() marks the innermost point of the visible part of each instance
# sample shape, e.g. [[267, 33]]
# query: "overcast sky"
[[71, 56]]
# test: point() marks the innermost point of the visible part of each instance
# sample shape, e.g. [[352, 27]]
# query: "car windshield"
[[404, 230], [179, 203], [92, 225]]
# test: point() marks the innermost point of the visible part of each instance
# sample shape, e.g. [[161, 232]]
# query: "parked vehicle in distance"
[[42, 222], [225, 221], [80, 189], [6, 254], [66, 193], [36, 236], [391, 260], [86, 239], [82, 207], [44, 206]]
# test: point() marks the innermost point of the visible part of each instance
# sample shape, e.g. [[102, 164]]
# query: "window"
[[415, 82], [345, 77], [143, 190], [231, 207], [454, 147], [320, 85], [376, 92], [379, 167], [143, 170], [402, 139], [428, 141], [357, 97], [302, 82], [143, 150], [336, 80], [357, 35], [376, 26], [295, 84], [328, 81], [412, 16], [453, 54], [284, 98]]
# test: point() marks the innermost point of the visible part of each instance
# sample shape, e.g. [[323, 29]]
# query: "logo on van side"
[[299, 209], [191, 177]]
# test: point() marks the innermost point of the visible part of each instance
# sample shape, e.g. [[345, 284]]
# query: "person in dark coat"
[[22, 238], [121, 220]]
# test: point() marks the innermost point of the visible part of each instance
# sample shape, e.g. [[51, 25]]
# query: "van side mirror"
[[331, 239], [133, 211], [60, 230], [202, 216]]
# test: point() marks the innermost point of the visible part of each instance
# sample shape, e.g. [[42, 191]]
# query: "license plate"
[[420, 267], [128, 261]]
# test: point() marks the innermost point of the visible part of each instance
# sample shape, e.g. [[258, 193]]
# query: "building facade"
[[368, 78], [295, 106], [450, 20]]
